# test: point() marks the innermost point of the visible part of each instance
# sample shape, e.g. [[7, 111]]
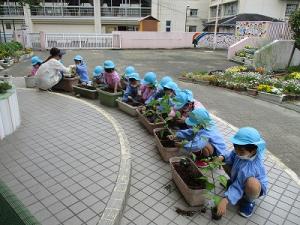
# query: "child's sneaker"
[[201, 164], [246, 208]]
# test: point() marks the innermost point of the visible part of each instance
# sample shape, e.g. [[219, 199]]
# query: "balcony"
[[11, 11], [62, 11], [125, 11]]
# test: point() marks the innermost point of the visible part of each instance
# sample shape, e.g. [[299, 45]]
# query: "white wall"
[[64, 28], [203, 10], [173, 10], [272, 8]]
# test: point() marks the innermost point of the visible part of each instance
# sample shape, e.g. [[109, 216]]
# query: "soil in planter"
[[189, 175], [214, 214], [162, 135], [110, 90], [134, 104]]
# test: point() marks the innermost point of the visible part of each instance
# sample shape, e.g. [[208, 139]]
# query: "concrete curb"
[[112, 213]]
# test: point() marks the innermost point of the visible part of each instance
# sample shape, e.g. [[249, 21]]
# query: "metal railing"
[[6, 10], [62, 11], [125, 11], [81, 41]]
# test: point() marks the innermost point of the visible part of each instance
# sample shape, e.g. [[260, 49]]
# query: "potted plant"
[[129, 107], [85, 91], [4, 87], [166, 147], [150, 117], [69, 80], [186, 176], [108, 97], [30, 81]]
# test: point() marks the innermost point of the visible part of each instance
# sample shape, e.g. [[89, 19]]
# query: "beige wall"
[[64, 28], [202, 16]]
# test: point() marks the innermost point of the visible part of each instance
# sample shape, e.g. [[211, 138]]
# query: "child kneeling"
[[245, 167], [205, 141], [132, 92]]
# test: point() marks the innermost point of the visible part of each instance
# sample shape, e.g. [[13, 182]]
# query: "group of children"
[[244, 164]]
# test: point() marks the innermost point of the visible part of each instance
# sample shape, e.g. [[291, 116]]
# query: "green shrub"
[[4, 86]]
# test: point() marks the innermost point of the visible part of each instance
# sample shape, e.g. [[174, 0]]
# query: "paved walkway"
[[63, 163], [279, 126]]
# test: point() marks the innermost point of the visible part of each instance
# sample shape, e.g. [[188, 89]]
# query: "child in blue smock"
[[98, 75], [207, 141], [132, 90], [160, 90], [81, 70], [125, 77], [245, 167]]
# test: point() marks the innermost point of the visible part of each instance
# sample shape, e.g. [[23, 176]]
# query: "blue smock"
[[241, 170], [130, 91], [81, 70], [202, 138]]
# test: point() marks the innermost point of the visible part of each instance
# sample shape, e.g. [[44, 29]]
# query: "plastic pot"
[[149, 126], [66, 84], [108, 98], [30, 82], [90, 93], [129, 109]]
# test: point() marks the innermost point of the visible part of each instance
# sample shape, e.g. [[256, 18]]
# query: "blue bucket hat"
[[149, 78], [182, 98], [164, 81], [135, 76], [173, 86], [201, 117], [108, 64], [78, 58], [129, 70], [98, 70], [249, 135], [35, 60]]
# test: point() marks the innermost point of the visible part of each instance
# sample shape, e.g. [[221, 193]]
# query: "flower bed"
[[240, 78]]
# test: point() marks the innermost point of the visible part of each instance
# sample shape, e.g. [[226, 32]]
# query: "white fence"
[[35, 40], [81, 41]]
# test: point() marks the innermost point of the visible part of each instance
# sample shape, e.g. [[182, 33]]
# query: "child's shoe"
[[201, 164], [246, 208]]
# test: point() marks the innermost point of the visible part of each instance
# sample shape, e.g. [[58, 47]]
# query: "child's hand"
[[222, 207], [219, 159], [171, 137]]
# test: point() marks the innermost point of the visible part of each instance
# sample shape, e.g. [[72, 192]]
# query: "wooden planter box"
[[165, 152], [86, 92], [108, 98], [194, 197], [10, 118], [149, 126], [30, 82], [271, 97], [252, 91], [129, 109], [66, 84]]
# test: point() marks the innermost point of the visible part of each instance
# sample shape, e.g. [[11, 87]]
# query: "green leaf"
[[209, 186], [217, 199], [178, 114], [194, 157], [223, 180], [202, 178]]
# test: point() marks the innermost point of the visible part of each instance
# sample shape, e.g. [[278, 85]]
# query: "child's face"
[[242, 151], [109, 70], [77, 62], [187, 107], [133, 82], [168, 92], [36, 66]]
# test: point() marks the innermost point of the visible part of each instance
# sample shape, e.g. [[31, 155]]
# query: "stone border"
[[112, 213]]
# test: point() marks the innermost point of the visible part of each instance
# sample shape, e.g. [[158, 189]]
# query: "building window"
[[230, 9], [213, 11], [290, 8], [8, 26], [193, 12], [192, 28], [168, 25]]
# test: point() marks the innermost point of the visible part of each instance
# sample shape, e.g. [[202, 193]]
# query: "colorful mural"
[[224, 40], [251, 28]]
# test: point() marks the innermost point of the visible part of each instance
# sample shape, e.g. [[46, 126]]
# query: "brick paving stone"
[[51, 168]]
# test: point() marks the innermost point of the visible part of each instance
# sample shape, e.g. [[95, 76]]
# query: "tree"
[[294, 22], [295, 25]]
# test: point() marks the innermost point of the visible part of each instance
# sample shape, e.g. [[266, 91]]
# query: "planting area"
[[66, 174]]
